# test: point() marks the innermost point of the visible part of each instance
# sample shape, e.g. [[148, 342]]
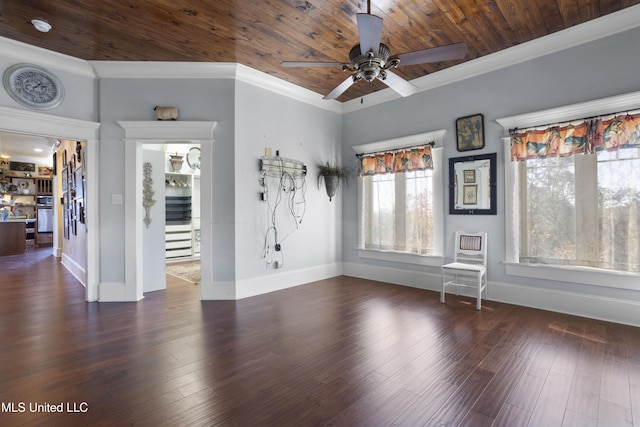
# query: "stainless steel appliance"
[[45, 220], [44, 200]]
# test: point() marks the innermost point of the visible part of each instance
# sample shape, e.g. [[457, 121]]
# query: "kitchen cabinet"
[[14, 233]]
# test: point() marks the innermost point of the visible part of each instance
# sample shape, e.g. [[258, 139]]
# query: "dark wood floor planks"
[[339, 352]]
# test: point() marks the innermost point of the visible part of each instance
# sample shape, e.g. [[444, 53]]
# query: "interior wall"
[[74, 248], [80, 91], [591, 71], [196, 99], [298, 131]]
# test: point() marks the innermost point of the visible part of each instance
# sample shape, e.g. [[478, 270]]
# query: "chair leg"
[[442, 290], [479, 291]]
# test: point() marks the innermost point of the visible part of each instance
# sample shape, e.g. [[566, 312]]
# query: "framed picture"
[[65, 180], [470, 176], [66, 216], [470, 194], [46, 171], [22, 167], [470, 132], [79, 184]]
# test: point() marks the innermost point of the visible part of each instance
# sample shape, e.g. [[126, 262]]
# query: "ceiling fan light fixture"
[[41, 25]]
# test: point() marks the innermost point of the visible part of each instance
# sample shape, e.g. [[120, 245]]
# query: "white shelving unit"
[[182, 228]]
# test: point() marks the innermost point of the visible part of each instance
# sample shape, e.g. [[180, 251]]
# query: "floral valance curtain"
[[591, 135], [404, 160]]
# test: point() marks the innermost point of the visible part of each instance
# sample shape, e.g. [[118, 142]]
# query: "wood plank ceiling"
[[261, 34]]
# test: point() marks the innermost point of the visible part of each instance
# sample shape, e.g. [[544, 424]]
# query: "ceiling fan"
[[370, 59]]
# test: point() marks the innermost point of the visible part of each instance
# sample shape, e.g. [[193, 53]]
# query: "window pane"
[[618, 209], [419, 212], [551, 210], [383, 212], [397, 212]]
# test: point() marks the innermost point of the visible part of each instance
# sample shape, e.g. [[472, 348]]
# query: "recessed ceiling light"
[[38, 150], [41, 25]]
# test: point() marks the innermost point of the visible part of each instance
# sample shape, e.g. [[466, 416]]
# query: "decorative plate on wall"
[[193, 158], [33, 87]]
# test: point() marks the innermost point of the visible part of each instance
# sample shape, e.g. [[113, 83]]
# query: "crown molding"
[[163, 70], [282, 87], [608, 25], [210, 70], [23, 52]]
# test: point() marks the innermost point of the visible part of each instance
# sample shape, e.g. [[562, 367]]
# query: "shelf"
[[44, 186]]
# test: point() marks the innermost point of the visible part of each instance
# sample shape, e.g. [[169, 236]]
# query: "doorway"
[[137, 135], [24, 122], [171, 201]]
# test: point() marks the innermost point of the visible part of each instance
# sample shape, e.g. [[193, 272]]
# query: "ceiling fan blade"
[[436, 54], [310, 64], [399, 84], [339, 90], [370, 31]]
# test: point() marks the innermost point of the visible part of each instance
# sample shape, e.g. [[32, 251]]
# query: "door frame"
[[137, 134], [50, 126]]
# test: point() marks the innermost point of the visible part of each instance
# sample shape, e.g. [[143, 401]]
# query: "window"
[[398, 215], [397, 212], [583, 210], [579, 193]]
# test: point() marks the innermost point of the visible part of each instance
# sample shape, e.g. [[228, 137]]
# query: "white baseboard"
[[114, 292], [74, 268], [591, 306], [218, 291], [286, 279]]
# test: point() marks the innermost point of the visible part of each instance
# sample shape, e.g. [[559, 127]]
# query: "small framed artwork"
[[470, 132], [469, 176], [66, 217], [470, 194], [65, 180], [79, 184], [46, 171]]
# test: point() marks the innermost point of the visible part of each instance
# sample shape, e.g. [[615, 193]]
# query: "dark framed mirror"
[[472, 185]]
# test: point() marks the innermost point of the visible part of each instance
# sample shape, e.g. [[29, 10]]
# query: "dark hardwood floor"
[[339, 352]]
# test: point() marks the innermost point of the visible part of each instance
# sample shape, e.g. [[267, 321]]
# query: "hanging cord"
[[294, 189]]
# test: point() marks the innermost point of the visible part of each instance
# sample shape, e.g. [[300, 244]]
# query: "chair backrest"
[[471, 247]]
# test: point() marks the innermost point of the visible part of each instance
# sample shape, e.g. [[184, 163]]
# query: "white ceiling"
[[21, 146]]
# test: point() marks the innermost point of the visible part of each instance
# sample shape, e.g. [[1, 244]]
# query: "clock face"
[[33, 87]]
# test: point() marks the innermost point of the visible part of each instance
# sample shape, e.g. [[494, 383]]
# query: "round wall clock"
[[33, 87]]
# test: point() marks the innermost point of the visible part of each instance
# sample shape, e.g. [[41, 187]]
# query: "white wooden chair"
[[469, 263]]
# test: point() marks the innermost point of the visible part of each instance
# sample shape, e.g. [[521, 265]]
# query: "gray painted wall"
[[298, 131], [595, 70], [80, 100], [133, 99]]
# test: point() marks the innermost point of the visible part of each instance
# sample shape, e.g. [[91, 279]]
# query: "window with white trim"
[[397, 212], [578, 193], [582, 210], [397, 204]]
